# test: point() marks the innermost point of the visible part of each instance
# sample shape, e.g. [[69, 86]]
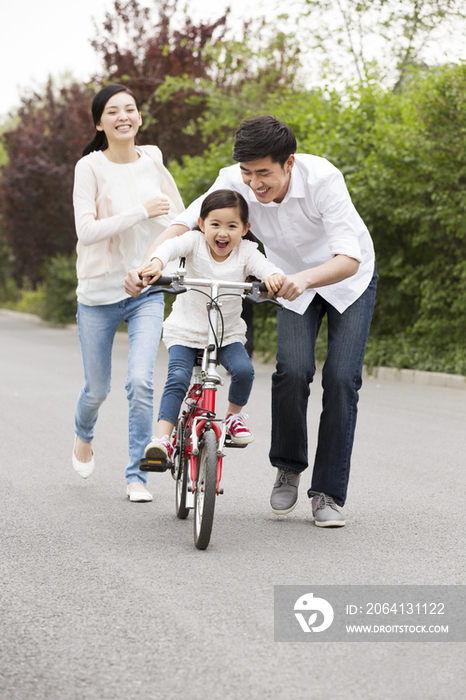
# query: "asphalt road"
[[106, 599]]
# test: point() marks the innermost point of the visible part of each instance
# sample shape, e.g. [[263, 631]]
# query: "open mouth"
[[221, 245]]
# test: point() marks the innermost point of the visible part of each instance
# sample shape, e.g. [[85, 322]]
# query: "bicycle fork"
[[199, 425]]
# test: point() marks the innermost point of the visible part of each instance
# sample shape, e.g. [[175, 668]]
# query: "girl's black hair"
[[99, 142], [224, 199]]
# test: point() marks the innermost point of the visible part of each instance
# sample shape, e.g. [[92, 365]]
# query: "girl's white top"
[[113, 230], [188, 322]]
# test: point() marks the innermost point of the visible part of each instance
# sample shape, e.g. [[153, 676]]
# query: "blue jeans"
[[341, 381], [97, 326], [233, 357]]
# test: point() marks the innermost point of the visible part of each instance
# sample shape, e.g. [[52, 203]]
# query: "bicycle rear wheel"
[[206, 489], [181, 474]]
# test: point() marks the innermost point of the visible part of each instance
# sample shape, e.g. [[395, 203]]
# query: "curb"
[[415, 376]]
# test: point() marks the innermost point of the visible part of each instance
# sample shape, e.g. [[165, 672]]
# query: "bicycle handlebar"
[[165, 280], [180, 285]]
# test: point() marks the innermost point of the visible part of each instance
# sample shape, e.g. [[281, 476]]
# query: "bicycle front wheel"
[[181, 473], [206, 489]]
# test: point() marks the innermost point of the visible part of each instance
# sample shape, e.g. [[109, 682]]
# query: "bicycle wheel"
[[206, 489], [181, 474]]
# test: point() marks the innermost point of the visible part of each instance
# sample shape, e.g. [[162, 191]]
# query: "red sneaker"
[[159, 448], [239, 431]]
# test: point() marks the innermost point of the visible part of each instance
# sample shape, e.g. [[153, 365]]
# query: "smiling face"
[[268, 180], [120, 119], [223, 230]]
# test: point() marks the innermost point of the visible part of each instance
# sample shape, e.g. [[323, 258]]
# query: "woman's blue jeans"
[[233, 357], [97, 326], [341, 381]]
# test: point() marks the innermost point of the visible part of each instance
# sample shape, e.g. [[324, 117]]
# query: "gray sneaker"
[[285, 492], [325, 511]]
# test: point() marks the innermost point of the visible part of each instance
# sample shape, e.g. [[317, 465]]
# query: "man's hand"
[[334, 270], [293, 286], [133, 285]]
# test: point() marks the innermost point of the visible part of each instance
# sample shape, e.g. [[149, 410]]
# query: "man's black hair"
[[260, 137]]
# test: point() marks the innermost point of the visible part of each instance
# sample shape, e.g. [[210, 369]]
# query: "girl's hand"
[[273, 282], [157, 207], [151, 272]]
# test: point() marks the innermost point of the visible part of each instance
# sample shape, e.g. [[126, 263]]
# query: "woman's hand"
[[273, 282], [133, 284], [151, 272], [157, 207]]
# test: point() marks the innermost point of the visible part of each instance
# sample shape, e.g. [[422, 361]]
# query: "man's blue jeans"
[[97, 326], [341, 381], [233, 357]]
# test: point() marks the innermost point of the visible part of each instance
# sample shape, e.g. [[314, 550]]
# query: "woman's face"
[[120, 119]]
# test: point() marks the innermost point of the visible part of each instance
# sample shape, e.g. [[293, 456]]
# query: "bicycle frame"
[[199, 436], [207, 379]]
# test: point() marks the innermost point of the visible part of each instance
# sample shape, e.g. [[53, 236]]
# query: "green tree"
[[376, 40]]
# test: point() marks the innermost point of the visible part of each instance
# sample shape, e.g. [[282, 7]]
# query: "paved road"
[[105, 599]]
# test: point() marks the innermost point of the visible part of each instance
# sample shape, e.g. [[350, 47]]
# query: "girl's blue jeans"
[[97, 326], [233, 357], [341, 381]]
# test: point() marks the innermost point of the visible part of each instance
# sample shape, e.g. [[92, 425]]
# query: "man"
[[300, 208]]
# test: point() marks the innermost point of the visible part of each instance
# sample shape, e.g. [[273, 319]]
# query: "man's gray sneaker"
[[325, 511], [284, 493]]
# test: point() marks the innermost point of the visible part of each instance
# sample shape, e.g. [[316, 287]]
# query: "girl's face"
[[120, 119], [223, 230]]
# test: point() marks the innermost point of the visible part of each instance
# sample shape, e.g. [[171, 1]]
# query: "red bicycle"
[[199, 436]]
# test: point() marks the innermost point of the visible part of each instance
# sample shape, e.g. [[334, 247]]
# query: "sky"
[[38, 39], [52, 37]]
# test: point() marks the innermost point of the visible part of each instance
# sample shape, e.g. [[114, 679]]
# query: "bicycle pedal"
[[154, 465], [229, 443]]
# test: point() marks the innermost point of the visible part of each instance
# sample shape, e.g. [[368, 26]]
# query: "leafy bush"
[[59, 290]]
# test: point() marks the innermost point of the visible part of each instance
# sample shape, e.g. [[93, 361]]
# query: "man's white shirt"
[[315, 221]]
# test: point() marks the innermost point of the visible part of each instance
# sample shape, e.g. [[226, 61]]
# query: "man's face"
[[268, 180]]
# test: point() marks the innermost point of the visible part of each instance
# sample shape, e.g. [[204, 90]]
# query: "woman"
[[123, 198]]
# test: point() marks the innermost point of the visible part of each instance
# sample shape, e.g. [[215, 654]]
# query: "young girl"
[[217, 251], [123, 199]]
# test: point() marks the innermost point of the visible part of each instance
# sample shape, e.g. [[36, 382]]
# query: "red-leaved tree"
[[37, 183], [144, 50]]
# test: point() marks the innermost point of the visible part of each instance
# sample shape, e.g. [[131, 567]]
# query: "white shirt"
[[129, 185], [188, 322], [315, 221]]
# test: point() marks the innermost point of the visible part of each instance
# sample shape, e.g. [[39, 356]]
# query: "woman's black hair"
[[263, 136], [99, 142], [225, 199]]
